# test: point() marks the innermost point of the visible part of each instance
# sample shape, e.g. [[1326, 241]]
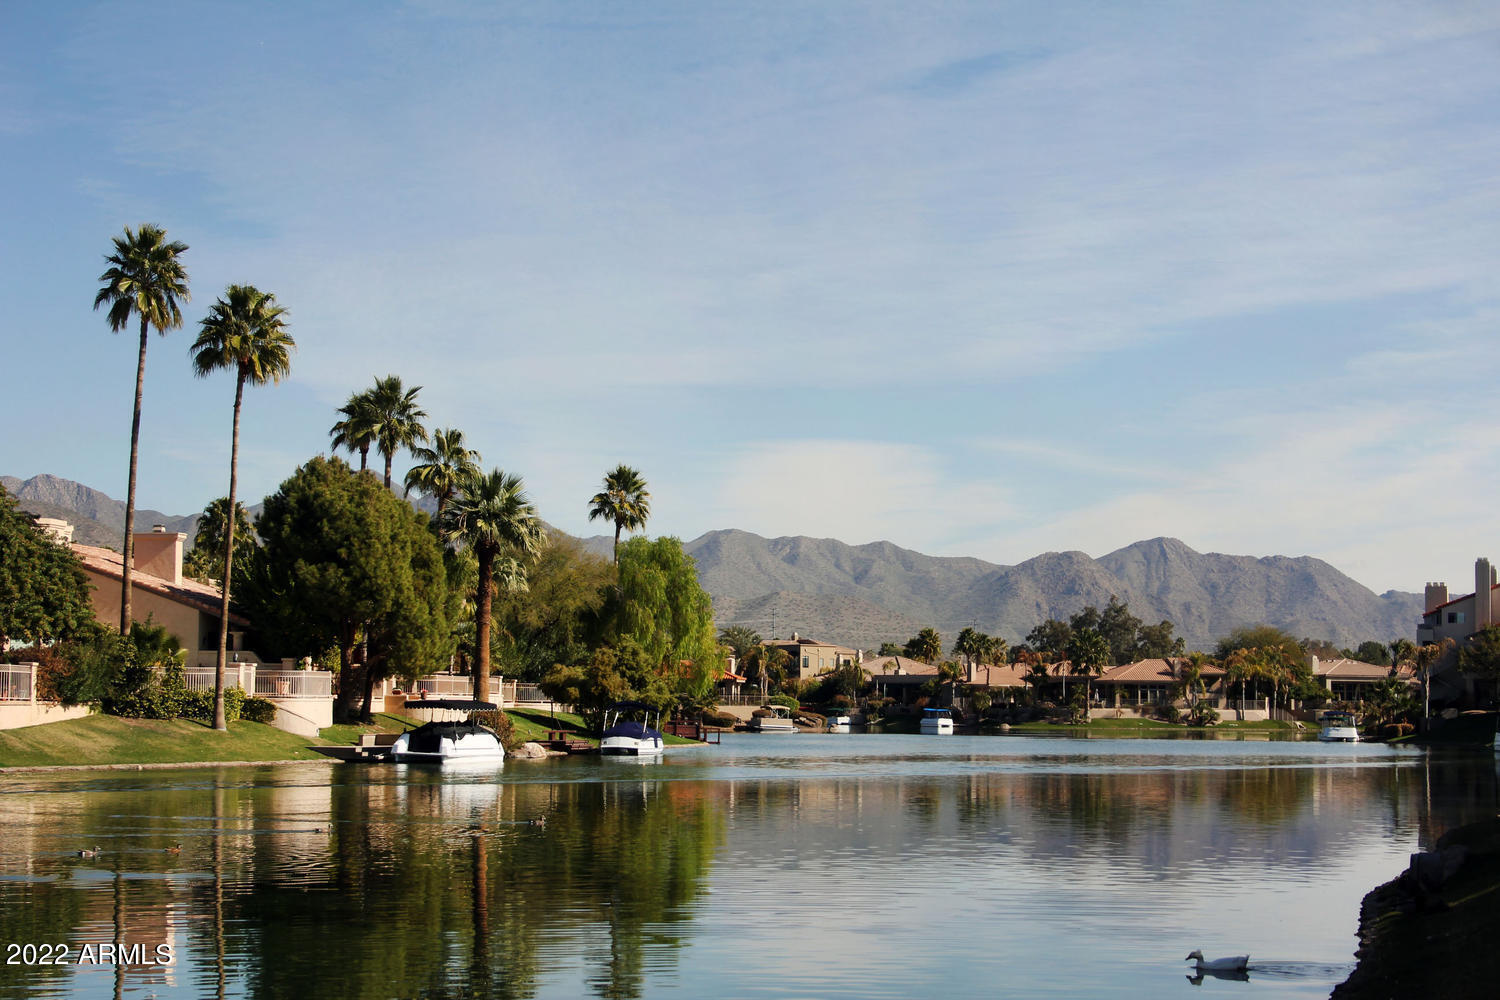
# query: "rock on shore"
[[1430, 931]]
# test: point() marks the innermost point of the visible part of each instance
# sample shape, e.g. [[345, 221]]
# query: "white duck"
[[1235, 963]]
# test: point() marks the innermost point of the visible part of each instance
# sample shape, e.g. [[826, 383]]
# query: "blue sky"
[[1007, 278]]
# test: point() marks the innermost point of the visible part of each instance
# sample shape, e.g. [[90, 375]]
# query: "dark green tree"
[[1121, 630], [344, 560], [1051, 637], [244, 333], [891, 649], [1251, 637], [44, 593], [145, 280], [1371, 651], [618, 672]]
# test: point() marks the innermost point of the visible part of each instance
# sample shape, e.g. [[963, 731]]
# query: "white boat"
[[937, 722], [631, 737], [839, 723], [449, 741], [1338, 727], [779, 721]]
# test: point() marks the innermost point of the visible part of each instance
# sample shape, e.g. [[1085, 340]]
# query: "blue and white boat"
[[937, 722], [628, 731]]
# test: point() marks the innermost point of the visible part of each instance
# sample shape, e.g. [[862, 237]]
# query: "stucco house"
[[158, 590], [810, 658]]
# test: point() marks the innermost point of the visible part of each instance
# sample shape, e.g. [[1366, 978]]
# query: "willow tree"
[[492, 515], [146, 281], [244, 332]]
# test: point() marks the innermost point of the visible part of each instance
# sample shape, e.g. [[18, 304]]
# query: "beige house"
[[1461, 617], [810, 658], [188, 609]]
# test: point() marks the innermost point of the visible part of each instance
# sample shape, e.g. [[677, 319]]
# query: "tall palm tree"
[[145, 279], [623, 500], [926, 645], [493, 516], [244, 332], [356, 431], [769, 661], [1427, 659], [969, 645], [1089, 652], [398, 422], [443, 466]]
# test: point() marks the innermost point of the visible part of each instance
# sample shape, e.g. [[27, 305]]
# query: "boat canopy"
[[632, 706], [453, 704]]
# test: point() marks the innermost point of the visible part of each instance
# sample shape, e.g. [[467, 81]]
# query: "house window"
[[1455, 618], [807, 661]]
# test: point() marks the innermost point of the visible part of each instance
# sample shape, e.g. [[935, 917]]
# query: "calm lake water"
[[770, 866]]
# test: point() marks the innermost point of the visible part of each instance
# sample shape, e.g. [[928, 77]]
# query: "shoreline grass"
[[106, 740]]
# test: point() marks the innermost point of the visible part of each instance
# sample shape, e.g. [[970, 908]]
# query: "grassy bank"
[[107, 739], [1414, 944], [533, 725]]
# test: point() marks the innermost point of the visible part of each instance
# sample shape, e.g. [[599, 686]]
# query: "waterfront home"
[[1351, 680], [1151, 682], [188, 609], [809, 657]]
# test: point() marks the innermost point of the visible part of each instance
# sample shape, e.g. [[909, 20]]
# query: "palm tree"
[[926, 645], [623, 500], [740, 639], [356, 431], [970, 645], [398, 422], [1427, 659], [767, 660], [493, 516], [443, 466], [1089, 652], [146, 279], [245, 332]]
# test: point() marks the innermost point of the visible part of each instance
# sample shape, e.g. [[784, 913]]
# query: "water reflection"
[[966, 864]]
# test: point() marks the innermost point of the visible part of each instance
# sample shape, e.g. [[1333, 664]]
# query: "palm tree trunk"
[[618, 526], [364, 456], [388, 459], [135, 450], [482, 625], [220, 662]]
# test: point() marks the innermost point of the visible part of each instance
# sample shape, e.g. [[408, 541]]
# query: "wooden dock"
[[564, 740]]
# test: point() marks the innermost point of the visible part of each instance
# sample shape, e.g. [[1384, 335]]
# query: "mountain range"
[[862, 595]]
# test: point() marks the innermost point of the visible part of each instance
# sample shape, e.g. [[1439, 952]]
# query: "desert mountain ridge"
[[862, 595]]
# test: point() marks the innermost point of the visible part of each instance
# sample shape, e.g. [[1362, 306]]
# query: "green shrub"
[[199, 705], [1203, 714], [785, 701], [722, 720], [257, 710], [1168, 712]]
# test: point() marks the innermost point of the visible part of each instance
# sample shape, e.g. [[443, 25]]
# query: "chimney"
[[1437, 593], [794, 636], [158, 552], [1483, 580]]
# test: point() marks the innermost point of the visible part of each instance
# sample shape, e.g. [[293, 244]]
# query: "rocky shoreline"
[[1430, 930]]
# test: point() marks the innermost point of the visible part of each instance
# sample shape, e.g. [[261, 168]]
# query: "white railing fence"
[[279, 684], [264, 683], [17, 681]]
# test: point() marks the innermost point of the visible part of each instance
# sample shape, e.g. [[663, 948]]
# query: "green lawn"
[[533, 724], [348, 735], [107, 739]]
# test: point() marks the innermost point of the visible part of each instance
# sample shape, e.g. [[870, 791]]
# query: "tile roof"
[[200, 596], [1344, 669], [1154, 671]]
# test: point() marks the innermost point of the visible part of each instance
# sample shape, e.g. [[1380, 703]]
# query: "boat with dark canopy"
[[628, 731], [449, 740]]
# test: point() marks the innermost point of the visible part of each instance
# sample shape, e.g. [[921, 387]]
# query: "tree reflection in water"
[[416, 894]]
